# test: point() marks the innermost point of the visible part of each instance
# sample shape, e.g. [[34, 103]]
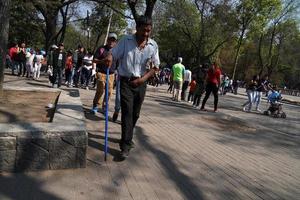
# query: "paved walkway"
[[180, 153]]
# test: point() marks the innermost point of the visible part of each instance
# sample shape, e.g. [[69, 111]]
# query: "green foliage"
[[200, 30], [99, 20], [73, 38], [24, 24]]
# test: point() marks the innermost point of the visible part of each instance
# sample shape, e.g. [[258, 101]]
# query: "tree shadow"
[[100, 146], [183, 183], [264, 138], [21, 187]]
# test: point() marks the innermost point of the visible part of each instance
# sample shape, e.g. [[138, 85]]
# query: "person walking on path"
[[200, 75], [213, 83], [13, 51], [78, 63], [251, 92], [192, 90], [178, 77], [21, 58], [187, 80], [29, 63], [263, 86], [59, 62], [101, 53], [37, 64], [138, 56], [69, 69], [86, 71]]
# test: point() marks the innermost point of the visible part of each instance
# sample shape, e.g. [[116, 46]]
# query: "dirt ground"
[[26, 106]]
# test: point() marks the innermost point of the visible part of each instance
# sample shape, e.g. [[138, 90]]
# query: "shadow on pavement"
[[22, 187], [183, 183]]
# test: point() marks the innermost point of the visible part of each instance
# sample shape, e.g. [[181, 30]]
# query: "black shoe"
[[132, 145], [124, 153], [115, 116]]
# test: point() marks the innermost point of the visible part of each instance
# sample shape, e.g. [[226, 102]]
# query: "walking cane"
[[106, 115]]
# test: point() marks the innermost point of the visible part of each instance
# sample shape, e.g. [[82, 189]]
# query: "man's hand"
[[137, 82], [108, 60]]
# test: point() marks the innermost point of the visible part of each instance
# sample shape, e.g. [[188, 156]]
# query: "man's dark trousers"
[[57, 75], [131, 102]]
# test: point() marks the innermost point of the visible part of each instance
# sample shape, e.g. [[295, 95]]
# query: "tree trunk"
[[260, 60], [4, 28], [237, 54], [50, 34], [64, 14], [270, 54]]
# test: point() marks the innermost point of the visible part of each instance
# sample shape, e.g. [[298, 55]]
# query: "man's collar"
[[133, 37]]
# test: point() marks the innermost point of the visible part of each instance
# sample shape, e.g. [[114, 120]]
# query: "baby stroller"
[[275, 108]]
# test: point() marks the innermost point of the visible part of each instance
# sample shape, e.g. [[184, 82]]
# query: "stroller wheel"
[[283, 115], [276, 115], [266, 112]]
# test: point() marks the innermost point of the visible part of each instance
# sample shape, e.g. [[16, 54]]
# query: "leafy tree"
[[249, 12], [99, 20], [25, 24], [50, 11], [198, 29]]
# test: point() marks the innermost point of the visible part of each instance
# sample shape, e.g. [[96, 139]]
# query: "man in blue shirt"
[[138, 59]]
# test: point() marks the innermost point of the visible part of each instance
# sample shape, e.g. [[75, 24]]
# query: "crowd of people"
[[25, 61], [131, 64], [207, 79]]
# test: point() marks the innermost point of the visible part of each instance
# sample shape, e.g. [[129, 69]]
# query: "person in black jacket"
[[59, 62]]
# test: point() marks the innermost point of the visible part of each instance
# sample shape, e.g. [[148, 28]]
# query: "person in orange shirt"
[[192, 90], [68, 68]]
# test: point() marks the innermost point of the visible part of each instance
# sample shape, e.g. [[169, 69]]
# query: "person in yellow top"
[[178, 77]]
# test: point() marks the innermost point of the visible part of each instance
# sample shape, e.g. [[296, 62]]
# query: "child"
[[192, 90], [275, 95]]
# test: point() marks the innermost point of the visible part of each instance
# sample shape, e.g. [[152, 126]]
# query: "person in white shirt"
[[87, 69], [37, 65], [186, 83], [29, 62]]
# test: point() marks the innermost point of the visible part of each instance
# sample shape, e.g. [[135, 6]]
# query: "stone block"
[[60, 144], [77, 141], [7, 143], [7, 160], [81, 157], [63, 154], [32, 154]]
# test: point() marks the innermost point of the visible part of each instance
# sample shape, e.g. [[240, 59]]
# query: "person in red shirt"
[[213, 82], [69, 68], [13, 51]]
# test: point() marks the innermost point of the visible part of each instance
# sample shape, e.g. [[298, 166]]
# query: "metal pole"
[[108, 27], [106, 95], [106, 115]]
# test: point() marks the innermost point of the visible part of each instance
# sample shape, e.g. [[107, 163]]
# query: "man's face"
[[144, 31], [81, 49], [23, 45], [61, 47], [111, 42]]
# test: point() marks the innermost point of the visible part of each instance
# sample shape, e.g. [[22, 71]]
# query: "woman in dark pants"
[[213, 82]]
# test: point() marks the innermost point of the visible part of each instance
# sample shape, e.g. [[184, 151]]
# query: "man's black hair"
[[143, 21]]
